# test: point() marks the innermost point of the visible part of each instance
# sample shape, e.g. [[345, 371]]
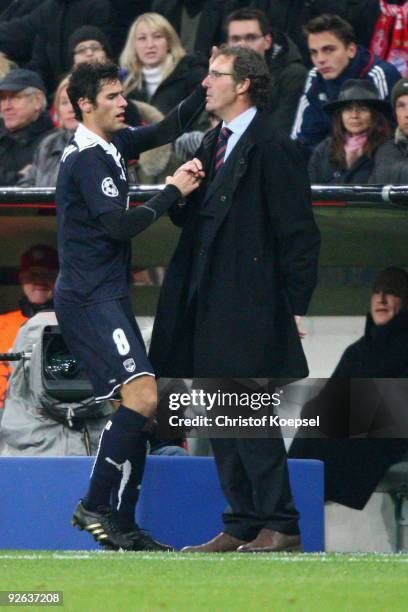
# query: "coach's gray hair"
[[250, 65]]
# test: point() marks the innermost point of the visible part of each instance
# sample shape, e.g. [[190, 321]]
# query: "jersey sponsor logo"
[[129, 365], [109, 188]]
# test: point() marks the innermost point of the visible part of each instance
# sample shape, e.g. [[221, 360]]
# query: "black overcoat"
[[259, 270]]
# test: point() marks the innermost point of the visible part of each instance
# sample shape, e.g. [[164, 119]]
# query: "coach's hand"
[[194, 166], [300, 331], [185, 181]]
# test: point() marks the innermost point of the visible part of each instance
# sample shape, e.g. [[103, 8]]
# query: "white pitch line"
[[260, 557]]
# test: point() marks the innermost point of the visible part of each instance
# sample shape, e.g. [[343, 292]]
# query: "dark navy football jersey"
[[92, 181]]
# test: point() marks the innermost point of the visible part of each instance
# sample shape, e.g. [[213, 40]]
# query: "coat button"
[[242, 160], [255, 259], [202, 251], [223, 198]]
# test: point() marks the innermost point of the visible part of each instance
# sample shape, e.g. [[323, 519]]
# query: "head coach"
[[243, 273]]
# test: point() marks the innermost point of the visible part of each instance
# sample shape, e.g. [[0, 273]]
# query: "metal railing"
[[323, 195]]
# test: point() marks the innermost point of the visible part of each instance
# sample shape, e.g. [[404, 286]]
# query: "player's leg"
[[119, 466], [106, 342], [122, 448]]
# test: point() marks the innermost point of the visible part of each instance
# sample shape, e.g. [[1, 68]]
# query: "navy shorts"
[[106, 341]]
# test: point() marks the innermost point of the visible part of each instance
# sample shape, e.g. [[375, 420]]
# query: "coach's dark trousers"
[[254, 478]]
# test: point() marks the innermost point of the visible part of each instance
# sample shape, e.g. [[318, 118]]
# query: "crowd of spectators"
[[312, 50], [346, 107]]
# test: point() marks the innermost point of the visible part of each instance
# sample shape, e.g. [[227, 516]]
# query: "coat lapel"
[[228, 180]]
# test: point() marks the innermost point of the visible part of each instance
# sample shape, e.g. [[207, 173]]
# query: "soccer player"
[[92, 303]]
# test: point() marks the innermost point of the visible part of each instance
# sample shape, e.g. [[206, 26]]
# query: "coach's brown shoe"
[[272, 541], [222, 543]]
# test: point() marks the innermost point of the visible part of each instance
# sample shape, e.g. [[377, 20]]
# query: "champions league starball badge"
[[109, 188]]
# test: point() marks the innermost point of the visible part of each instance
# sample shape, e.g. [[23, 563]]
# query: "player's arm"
[[177, 121], [125, 224]]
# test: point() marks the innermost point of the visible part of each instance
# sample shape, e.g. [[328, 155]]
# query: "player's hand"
[[214, 53], [194, 166], [23, 171], [301, 333], [186, 182]]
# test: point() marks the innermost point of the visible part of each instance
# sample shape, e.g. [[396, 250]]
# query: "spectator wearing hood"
[[391, 159], [360, 124], [337, 58], [24, 122], [37, 275], [250, 28], [353, 467]]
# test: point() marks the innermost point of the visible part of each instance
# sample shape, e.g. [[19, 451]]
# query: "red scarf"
[[353, 147], [390, 38]]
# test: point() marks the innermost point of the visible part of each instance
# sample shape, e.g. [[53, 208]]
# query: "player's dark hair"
[[249, 14], [250, 65], [87, 80], [331, 23]]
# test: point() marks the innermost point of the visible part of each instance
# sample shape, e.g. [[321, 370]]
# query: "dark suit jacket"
[[259, 269]]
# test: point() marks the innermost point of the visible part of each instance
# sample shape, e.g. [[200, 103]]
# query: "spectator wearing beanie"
[[58, 19], [391, 159], [90, 44]]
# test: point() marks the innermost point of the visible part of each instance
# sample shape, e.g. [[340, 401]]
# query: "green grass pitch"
[[187, 582]]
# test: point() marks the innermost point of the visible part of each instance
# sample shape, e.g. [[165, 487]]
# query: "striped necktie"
[[221, 147]]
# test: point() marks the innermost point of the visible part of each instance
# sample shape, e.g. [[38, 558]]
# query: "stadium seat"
[[181, 501]]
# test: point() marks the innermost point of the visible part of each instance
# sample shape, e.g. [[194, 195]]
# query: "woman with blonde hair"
[[6, 65], [155, 67], [44, 169]]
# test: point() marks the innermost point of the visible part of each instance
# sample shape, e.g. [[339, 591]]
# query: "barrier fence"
[[363, 230], [322, 195]]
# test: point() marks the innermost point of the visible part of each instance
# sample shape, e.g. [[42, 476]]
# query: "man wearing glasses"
[[242, 274], [250, 28], [24, 122], [89, 44]]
